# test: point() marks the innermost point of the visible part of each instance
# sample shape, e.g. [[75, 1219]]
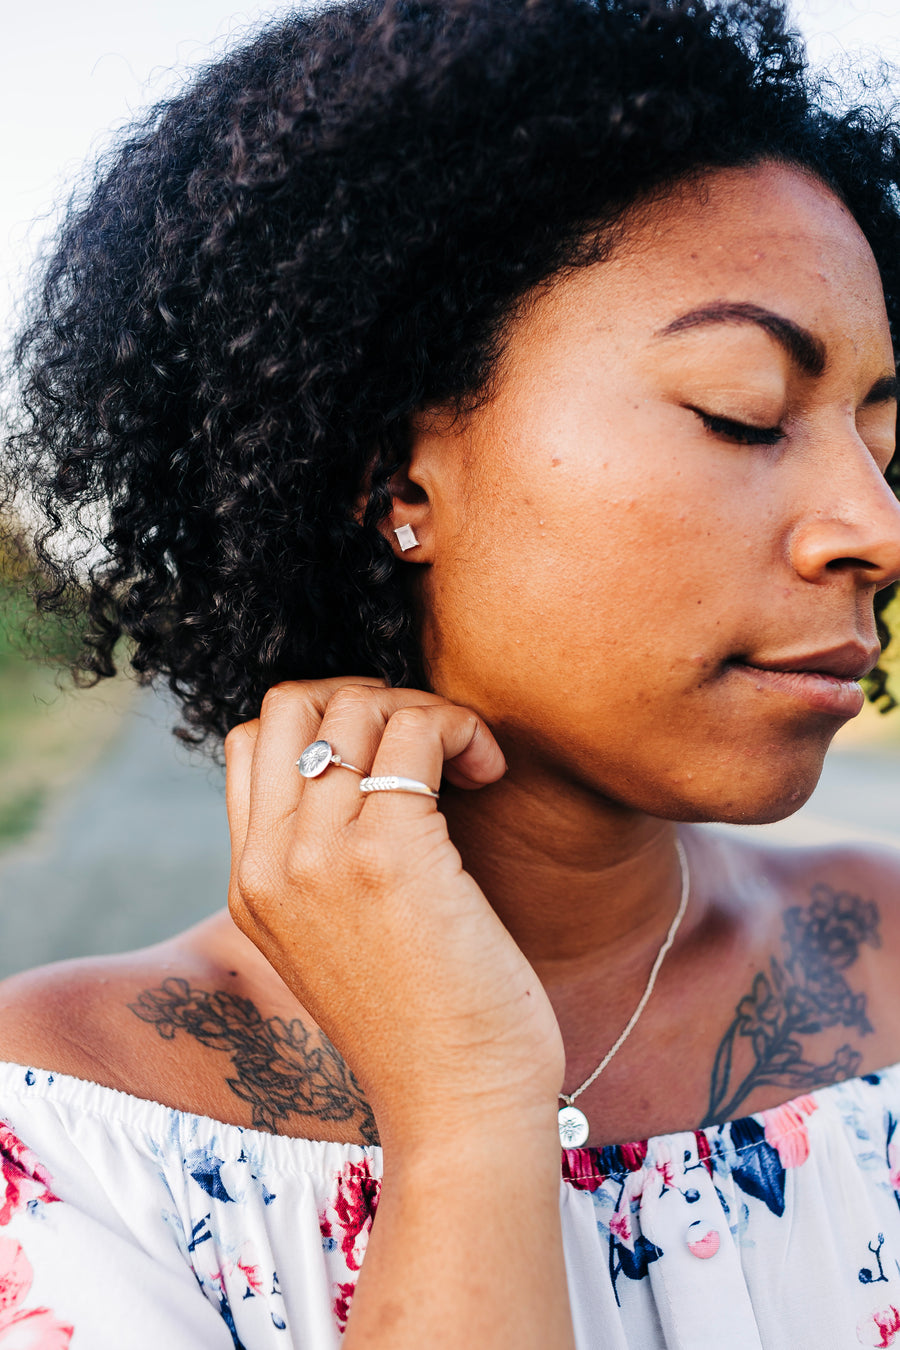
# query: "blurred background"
[[111, 834]]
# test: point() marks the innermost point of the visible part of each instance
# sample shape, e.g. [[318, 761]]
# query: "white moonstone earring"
[[406, 537]]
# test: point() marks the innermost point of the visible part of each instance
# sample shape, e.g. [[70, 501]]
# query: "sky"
[[71, 71]]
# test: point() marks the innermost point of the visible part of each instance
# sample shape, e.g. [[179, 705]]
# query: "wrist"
[[474, 1130]]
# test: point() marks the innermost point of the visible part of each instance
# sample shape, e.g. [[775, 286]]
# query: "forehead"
[[733, 220], [770, 234]]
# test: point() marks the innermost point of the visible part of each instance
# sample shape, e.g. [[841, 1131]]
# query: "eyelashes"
[[745, 433], [739, 433]]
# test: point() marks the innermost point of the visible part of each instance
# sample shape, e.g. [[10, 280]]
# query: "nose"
[[851, 524]]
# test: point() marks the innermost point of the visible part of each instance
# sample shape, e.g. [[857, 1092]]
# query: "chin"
[[758, 790], [754, 812]]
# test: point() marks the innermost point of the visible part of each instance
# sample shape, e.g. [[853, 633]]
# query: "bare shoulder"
[[70, 1017], [78, 1016], [201, 1024], [845, 867], [837, 906], [42, 1014], [848, 873], [818, 998]]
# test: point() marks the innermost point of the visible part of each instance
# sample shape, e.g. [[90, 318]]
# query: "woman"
[[496, 396]]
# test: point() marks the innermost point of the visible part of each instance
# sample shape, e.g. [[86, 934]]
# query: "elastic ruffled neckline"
[[287, 1152], [595, 1164], [140, 1117]]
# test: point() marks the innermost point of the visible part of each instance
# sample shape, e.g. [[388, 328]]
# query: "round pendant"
[[315, 759], [573, 1127]]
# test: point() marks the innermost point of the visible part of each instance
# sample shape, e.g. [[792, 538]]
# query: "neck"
[[580, 882]]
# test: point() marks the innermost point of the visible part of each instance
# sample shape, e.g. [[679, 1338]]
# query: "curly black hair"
[[325, 232]]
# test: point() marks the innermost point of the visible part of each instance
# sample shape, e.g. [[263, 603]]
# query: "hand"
[[362, 906]]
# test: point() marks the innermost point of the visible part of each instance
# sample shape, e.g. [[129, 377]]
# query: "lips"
[[825, 680], [850, 661]]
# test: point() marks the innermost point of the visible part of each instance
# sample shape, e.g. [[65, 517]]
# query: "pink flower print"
[[580, 1168], [786, 1131], [663, 1165], [634, 1186], [893, 1155], [250, 1273], [25, 1328], [705, 1244], [22, 1177], [878, 1329], [704, 1152], [246, 1268], [620, 1226], [353, 1209], [342, 1298]]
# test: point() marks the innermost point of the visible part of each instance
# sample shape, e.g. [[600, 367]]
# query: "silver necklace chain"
[[573, 1124]]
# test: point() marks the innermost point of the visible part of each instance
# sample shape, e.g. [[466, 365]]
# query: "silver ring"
[[319, 756], [391, 783]]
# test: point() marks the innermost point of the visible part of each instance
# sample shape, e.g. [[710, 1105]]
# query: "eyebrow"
[[885, 390], [806, 351]]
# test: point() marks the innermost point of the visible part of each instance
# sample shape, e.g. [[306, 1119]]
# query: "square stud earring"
[[406, 537]]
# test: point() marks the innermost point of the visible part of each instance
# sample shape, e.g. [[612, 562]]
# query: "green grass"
[[50, 733], [19, 816]]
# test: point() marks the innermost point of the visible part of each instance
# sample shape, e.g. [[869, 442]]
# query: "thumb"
[[240, 744]]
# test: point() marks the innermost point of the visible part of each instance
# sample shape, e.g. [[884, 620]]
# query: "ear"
[[433, 473], [408, 526]]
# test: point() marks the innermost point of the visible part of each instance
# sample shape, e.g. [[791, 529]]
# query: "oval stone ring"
[[316, 758]]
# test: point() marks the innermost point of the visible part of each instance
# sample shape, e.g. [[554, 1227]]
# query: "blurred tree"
[[47, 736]]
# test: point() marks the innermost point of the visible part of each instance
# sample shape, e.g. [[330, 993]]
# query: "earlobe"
[[406, 537], [410, 511], [418, 483]]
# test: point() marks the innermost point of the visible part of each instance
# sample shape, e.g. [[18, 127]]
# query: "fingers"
[[407, 732], [354, 724], [290, 719], [425, 743], [263, 785], [297, 841]]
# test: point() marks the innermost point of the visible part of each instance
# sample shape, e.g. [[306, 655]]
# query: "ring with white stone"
[[316, 758], [392, 783]]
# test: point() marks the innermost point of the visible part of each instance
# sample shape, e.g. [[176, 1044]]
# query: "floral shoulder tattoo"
[[279, 1068], [803, 993]]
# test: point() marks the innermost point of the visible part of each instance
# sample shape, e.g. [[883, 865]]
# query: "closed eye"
[[739, 433]]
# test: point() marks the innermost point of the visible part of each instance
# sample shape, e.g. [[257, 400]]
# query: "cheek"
[[546, 592], [611, 558], [593, 553]]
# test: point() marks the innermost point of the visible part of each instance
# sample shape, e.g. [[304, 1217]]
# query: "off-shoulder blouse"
[[126, 1225]]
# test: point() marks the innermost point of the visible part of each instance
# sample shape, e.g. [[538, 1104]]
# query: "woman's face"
[[673, 506]]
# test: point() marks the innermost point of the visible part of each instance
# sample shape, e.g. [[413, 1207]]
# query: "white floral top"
[[125, 1225]]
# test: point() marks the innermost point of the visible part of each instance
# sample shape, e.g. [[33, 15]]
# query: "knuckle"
[[299, 865], [277, 697], [410, 719], [240, 914], [255, 924], [371, 863], [255, 881], [352, 700], [239, 736]]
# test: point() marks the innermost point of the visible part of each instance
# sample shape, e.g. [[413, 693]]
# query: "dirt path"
[[128, 855]]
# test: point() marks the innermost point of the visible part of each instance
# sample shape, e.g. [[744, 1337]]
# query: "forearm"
[[466, 1248], [442, 1018]]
